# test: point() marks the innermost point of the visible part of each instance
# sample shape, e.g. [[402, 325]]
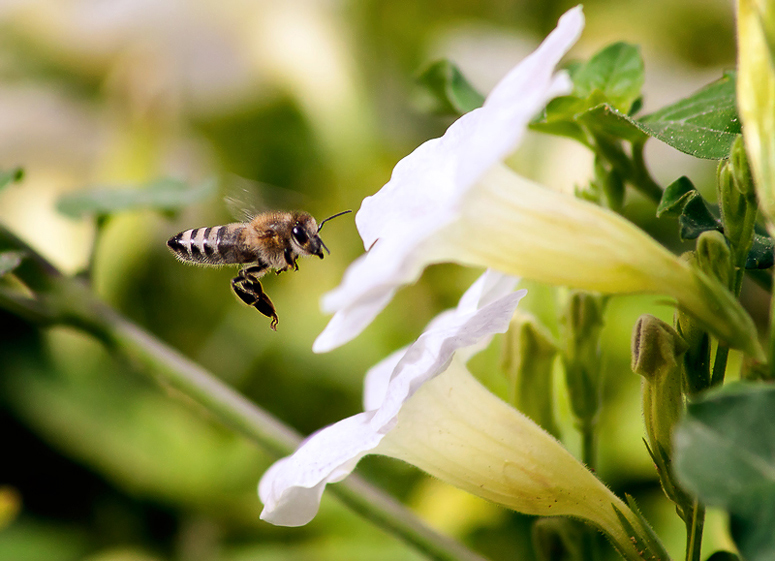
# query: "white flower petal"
[[291, 488], [427, 188], [487, 289]]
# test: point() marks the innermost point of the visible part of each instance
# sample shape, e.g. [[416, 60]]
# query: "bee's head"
[[305, 234]]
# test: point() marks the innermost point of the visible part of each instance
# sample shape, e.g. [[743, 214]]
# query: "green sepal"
[[704, 125], [447, 89], [165, 194], [646, 542]]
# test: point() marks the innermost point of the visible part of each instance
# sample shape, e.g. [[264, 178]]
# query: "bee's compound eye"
[[300, 235]]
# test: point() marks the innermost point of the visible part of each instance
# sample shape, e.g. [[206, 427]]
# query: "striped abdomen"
[[219, 245]]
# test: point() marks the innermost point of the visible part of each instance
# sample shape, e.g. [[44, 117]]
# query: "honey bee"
[[269, 241]]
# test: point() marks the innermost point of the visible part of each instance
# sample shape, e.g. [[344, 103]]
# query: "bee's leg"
[[290, 260], [254, 272], [252, 293]]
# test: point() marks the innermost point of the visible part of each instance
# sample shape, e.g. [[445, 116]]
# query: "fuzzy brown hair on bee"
[[271, 241]]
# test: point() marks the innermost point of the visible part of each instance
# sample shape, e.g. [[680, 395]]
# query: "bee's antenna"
[[320, 226]]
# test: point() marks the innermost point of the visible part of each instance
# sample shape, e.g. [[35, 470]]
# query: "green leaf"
[[703, 125], [616, 71], [761, 254], [10, 176], [449, 90], [608, 120], [163, 194], [675, 197], [9, 260], [725, 454], [697, 218]]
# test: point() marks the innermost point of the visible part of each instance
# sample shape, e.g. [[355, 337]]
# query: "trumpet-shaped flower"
[[453, 199], [291, 488], [424, 407]]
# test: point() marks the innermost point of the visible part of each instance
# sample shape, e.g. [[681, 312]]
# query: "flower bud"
[[742, 170], [713, 256], [657, 352], [528, 357], [582, 322], [737, 201]]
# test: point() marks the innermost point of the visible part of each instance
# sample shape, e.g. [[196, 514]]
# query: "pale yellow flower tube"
[[456, 430], [517, 227], [756, 95]]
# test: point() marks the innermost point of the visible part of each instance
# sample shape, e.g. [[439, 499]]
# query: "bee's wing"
[[245, 198]]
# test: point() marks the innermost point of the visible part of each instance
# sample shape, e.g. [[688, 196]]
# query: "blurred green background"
[[315, 99]]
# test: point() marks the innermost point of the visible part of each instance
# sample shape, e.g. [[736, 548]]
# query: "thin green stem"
[[588, 445], [694, 527], [719, 365], [632, 169], [643, 181], [771, 354]]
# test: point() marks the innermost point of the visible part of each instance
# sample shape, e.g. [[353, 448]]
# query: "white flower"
[[453, 199], [292, 487], [425, 190], [425, 408]]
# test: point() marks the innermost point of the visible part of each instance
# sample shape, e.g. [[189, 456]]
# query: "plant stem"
[[719, 365], [694, 532], [588, 444], [771, 354], [632, 169]]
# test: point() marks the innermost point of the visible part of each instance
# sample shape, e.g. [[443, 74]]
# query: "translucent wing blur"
[[246, 198]]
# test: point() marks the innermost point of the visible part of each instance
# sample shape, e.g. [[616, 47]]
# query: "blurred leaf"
[[165, 194], [675, 197], [723, 556], [725, 453], [327, 549], [449, 89], [616, 71], [10, 505], [703, 125], [10, 176], [9, 260], [26, 540], [122, 554], [138, 438]]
